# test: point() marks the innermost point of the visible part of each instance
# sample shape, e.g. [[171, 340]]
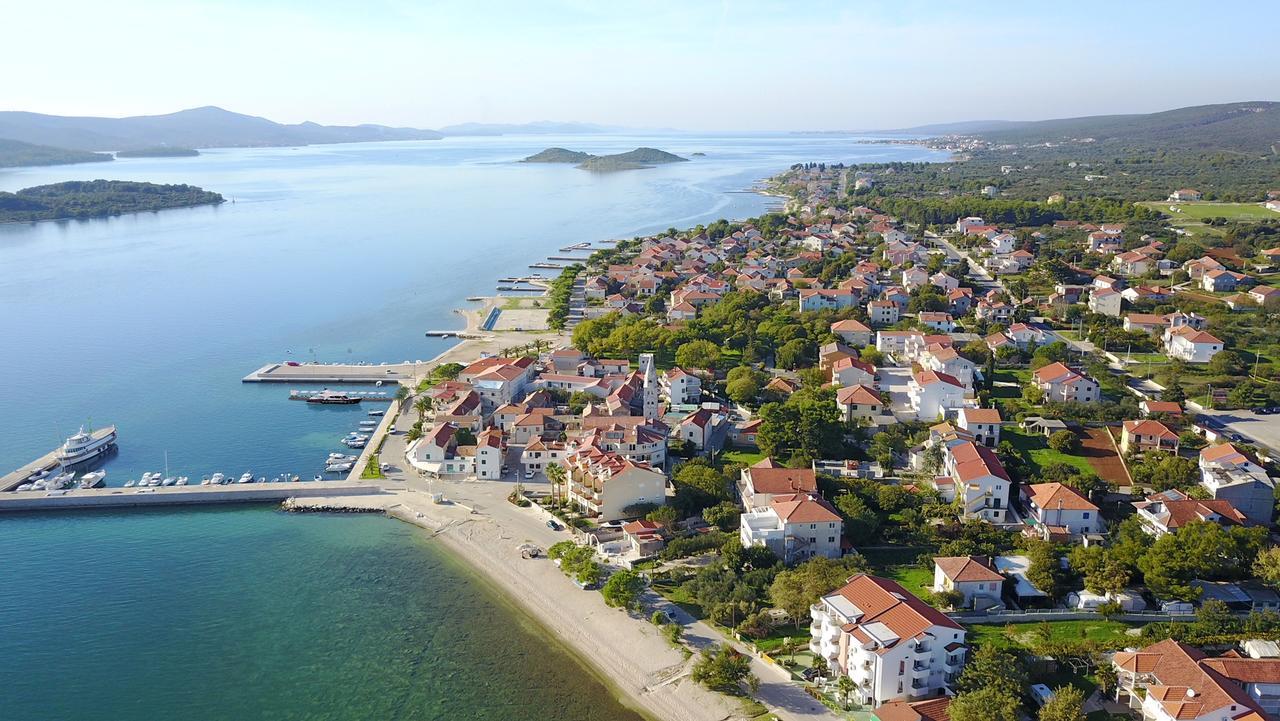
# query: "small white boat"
[[217, 479], [170, 481], [339, 467], [262, 479], [318, 478], [246, 478], [130, 483], [376, 413], [31, 486], [182, 481], [93, 479]]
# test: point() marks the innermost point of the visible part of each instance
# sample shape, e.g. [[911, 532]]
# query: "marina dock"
[[332, 373], [81, 498], [47, 462]]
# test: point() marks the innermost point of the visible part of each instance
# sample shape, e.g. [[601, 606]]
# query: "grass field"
[[918, 581], [1200, 211], [1038, 453], [745, 458], [1112, 634]]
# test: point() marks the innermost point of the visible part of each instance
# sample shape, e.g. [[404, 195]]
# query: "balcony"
[[954, 661]]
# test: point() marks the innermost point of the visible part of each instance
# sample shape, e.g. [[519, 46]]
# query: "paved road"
[[1263, 430], [784, 697]]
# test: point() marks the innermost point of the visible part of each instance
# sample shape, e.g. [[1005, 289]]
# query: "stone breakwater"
[[294, 505]]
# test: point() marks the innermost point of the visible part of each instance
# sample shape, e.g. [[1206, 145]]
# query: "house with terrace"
[[763, 480]]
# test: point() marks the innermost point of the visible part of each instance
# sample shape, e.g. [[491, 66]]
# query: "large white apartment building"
[[894, 646]]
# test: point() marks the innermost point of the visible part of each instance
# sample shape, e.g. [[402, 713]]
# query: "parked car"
[[528, 474], [1041, 694], [554, 526]]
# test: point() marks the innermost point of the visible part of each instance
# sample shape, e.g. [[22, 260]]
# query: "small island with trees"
[[158, 152], [630, 160], [98, 199], [14, 153]]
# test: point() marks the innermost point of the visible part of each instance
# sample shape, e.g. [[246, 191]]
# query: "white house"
[[795, 527], [855, 333], [681, 387], [1062, 384], [882, 312], [979, 479], [982, 424], [1105, 301], [1230, 475], [939, 321], [932, 394], [853, 371], [972, 576], [1061, 509], [893, 646], [605, 485], [1191, 345], [949, 361], [1170, 681], [1184, 195], [760, 482], [859, 402]]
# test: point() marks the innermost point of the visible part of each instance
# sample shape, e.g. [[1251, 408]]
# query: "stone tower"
[[650, 371]]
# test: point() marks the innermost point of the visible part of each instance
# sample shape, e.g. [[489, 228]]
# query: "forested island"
[[630, 160], [158, 152], [14, 153], [98, 199]]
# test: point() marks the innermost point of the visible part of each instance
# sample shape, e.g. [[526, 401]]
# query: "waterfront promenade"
[[82, 498]]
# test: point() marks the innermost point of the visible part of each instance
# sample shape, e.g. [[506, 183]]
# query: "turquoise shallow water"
[[251, 613]]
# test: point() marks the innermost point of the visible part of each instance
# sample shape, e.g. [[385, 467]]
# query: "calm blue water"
[[337, 253], [257, 615]]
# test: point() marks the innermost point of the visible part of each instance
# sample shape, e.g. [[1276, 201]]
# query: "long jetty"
[[331, 373], [47, 462], [114, 497]]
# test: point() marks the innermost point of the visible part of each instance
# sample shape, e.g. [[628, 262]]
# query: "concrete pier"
[[82, 498], [47, 462], [332, 373]]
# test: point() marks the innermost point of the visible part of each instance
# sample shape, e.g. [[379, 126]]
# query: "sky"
[[728, 65]]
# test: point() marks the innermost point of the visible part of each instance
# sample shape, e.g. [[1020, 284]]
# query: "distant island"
[[14, 153], [630, 160], [98, 199], [160, 152]]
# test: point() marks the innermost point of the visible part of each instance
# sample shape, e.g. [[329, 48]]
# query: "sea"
[[331, 253]]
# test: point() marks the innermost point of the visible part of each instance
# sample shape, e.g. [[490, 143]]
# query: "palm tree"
[[555, 474], [422, 405]]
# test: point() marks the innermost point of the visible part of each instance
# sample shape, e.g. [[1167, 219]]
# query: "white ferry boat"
[[86, 446]]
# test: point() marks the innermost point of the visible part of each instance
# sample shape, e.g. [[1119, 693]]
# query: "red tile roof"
[[963, 569]]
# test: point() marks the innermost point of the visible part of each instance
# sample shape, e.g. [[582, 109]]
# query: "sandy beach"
[[479, 341], [649, 674]]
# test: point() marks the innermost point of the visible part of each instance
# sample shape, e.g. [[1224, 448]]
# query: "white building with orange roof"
[[859, 402], [1170, 681], [949, 361], [853, 371], [795, 527], [1060, 383], [1190, 345], [982, 424], [853, 332], [1061, 510], [893, 646], [1230, 475], [979, 479], [974, 577], [498, 380], [606, 486], [932, 394], [1141, 436], [761, 481], [680, 387]]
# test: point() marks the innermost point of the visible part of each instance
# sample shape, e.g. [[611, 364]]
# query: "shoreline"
[[631, 659]]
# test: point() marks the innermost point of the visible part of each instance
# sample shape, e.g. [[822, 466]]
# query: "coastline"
[[632, 659]]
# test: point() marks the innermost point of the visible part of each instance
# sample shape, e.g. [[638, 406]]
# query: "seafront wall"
[[173, 496]]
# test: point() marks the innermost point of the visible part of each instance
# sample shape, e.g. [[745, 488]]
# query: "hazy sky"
[[684, 64]]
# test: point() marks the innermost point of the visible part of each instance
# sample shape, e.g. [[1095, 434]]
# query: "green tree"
[[724, 515], [1067, 704], [664, 516], [1064, 442], [793, 354], [860, 522], [984, 704], [723, 669], [623, 589], [1266, 567], [742, 390], [795, 590], [991, 667], [698, 354]]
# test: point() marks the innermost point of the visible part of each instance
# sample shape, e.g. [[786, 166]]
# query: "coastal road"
[[785, 698]]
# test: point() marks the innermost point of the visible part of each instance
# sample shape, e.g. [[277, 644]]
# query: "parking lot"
[[1263, 429]]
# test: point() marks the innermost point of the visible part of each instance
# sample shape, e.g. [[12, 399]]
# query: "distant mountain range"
[[1248, 127], [541, 127], [206, 127]]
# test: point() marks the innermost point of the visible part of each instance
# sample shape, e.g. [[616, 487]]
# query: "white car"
[[528, 474]]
